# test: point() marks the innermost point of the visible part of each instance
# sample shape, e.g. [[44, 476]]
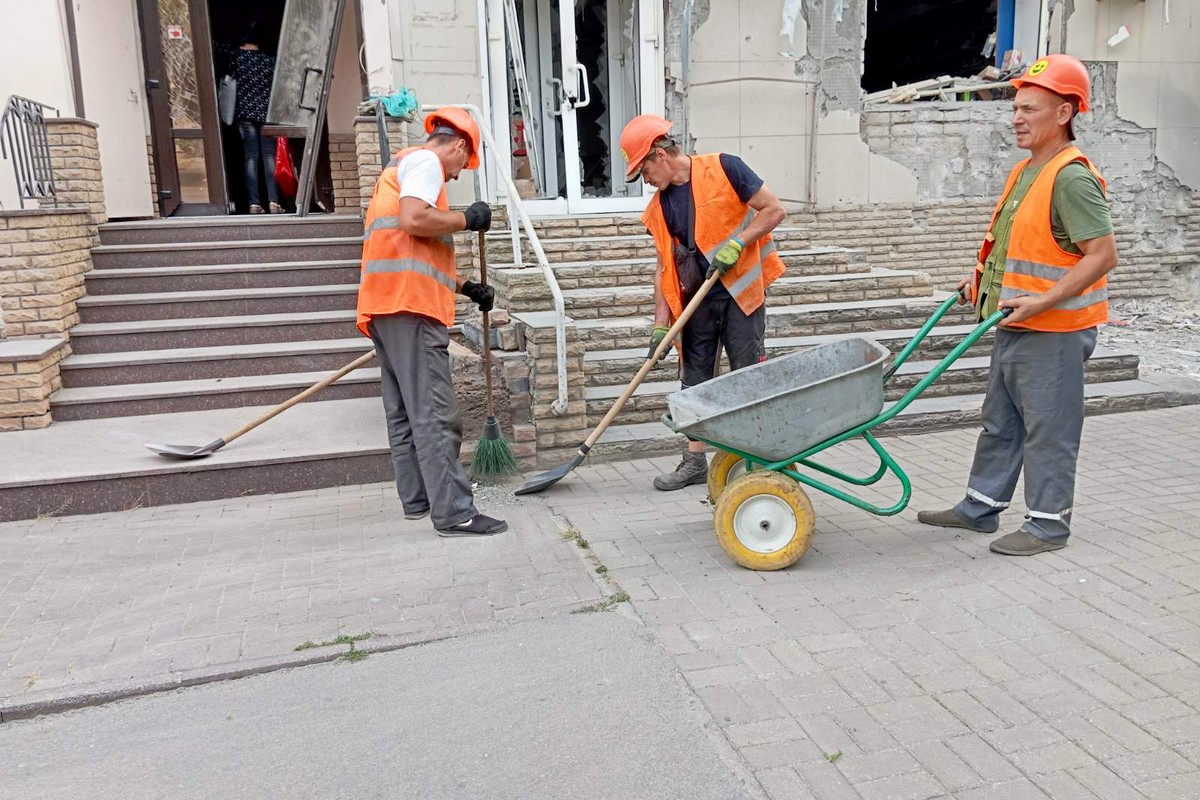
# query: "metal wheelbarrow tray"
[[769, 422], [782, 407]]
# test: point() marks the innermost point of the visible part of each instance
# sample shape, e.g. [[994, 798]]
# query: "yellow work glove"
[[726, 257], [656, 338]]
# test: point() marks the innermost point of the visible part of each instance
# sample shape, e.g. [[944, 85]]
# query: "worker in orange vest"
[[1046, 256], [711, 212], [406, 305]]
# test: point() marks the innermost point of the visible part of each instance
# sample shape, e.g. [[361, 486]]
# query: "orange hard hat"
[[638, 137], [1064, 75], [460, 121]]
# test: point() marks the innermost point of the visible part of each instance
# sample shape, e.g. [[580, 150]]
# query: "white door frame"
[[651, 93]]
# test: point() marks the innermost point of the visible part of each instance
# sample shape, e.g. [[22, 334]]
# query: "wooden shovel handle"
[[300, 398], [701, 293]]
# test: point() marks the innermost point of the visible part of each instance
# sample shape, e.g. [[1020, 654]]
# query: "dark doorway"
[[910, 42], [233, 23]]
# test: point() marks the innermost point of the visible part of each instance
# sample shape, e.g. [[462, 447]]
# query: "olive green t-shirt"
[[1078, 212]]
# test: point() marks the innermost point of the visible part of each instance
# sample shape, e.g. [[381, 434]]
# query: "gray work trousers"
[[423, 419], [1032, 416]]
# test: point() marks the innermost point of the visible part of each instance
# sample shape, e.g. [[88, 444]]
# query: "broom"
[[493, 455]]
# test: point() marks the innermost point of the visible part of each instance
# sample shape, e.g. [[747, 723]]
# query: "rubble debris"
[[1165, 334]]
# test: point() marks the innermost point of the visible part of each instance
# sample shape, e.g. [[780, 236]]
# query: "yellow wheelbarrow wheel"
[[724, 469], [764, 521]]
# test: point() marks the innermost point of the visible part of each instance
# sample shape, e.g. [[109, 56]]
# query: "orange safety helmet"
[[460, 121], [638, 137], [1064, 75]]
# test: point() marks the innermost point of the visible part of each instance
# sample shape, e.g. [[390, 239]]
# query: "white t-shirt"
[[420, 176]]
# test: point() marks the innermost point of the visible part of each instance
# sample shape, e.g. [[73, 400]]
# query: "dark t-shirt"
[[675, 201]]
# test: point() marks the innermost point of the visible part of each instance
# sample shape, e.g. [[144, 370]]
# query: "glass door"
[[590, 67], [186, 139]]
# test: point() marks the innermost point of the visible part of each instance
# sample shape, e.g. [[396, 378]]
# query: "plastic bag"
[[227, 99], [285, 170]]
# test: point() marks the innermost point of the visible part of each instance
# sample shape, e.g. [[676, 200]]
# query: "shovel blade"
[[185, 452], [544, 481]]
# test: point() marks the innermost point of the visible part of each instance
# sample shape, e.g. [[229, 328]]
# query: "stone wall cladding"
[[75, 158], [26, 385], [43, 257], [153, 177], [366, 146], [343, 164], [556, 437]]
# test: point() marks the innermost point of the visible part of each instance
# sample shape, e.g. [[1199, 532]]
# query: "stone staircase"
[[199, 314], [604, 266]]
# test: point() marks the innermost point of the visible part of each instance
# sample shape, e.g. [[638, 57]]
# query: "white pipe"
[[559, 406]]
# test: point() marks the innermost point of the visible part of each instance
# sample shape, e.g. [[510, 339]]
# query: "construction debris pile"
[[1164, 333], [990, 84]]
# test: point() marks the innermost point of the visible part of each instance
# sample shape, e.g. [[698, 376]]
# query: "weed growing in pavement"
[[604, 605], [42, 516], [343, 639]]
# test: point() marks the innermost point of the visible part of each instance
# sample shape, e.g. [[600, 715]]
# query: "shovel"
[[187, 451], [547, 479]]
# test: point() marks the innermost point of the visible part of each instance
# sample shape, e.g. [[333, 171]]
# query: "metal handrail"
[[559, 406], [24, 139]]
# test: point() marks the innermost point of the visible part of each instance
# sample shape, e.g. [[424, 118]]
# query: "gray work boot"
[[1023, 543], [692, 470], [951, 519]]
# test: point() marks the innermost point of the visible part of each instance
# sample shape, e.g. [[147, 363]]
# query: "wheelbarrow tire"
[[764, 521], [725, 467]]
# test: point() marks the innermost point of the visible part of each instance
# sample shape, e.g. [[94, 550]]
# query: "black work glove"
[[479, 216], [479, 294]]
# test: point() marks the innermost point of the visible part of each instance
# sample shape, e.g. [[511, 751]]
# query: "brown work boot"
[[951, 519], [1023, 543], [692, 469]]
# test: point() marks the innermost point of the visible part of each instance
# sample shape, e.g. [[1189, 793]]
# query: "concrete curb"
[[100, 693]]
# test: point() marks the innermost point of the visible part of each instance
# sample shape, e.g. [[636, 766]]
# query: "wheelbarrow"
[[767, 423]]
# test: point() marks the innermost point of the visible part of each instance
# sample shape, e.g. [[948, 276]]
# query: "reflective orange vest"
[[1034, 261], [401, 272], [720, 216]]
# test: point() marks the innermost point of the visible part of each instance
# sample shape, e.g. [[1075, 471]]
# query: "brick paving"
[[156, 591], [894, 662], [902, 662]]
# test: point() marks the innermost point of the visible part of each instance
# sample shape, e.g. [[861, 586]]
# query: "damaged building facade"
[[782, 83]]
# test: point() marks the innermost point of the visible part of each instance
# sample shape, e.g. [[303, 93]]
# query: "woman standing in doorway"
[[254, 70]]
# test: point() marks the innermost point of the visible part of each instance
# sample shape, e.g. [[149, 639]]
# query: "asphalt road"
[[585, 706]]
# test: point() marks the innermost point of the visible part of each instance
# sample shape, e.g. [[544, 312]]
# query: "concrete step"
[[617, 367], [610, 246], [813, 319], [149, 366], [173, 334], [526, 287], [221, 276], [876, 284], [131, 256], [92, 466], [219, 229], [926, 414], [965, 376], [216, 302], [168, 397]]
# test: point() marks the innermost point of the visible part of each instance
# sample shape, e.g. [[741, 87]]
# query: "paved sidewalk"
[[158, 592], [902, 662]]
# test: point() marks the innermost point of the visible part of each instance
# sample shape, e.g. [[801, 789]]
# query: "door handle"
[[304, 87], [587, 89], [558, 97]]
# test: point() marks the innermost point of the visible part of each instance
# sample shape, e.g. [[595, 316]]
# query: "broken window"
[[910, 42]]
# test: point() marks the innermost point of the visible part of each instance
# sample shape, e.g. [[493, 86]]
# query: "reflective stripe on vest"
[[1034, 261], [720, 216], [403, 273]]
